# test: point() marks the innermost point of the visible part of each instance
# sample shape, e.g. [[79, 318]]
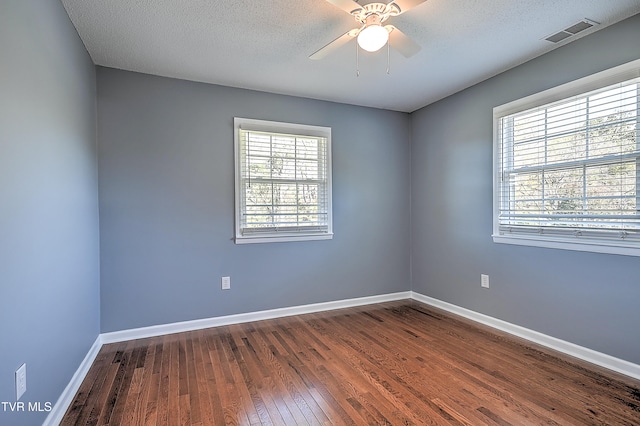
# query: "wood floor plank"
[[173, 413], [249, 400], [194, 394], [201, 381], [460, 365], [342, 364], [223, 381], [392, 363], [121, 359], [372, 361], [277, 376], [376, 363], [133, 396], [162, 409], [109, 373], [457, 349], [147, 410], [150, 416], [91, 386], [300, 383]]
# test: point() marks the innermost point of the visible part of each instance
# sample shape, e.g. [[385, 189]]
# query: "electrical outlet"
[[21, 381], [226, 283], [484, 280]]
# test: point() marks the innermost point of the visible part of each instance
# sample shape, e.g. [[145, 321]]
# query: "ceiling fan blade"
[[403, 44], [335, 44], [348, 6], [405, 5]]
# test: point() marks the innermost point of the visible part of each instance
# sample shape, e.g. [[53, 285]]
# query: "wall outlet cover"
[[21, 381], [226, 283], [484, 280]]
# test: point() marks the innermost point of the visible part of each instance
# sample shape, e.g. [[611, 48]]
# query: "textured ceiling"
[[265, 45]]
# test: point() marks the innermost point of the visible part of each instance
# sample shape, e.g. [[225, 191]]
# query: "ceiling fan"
[[371, 35]]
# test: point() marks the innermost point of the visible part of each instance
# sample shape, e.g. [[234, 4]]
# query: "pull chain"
[[388, 56], [357, 61]]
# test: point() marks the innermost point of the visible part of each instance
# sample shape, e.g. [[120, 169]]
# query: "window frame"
[[578, 87], [275, 127]]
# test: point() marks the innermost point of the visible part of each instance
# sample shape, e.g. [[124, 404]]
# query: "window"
[[567, 166], [283, 181]]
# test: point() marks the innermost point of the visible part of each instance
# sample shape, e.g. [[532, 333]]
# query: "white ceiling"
[[265, 45]]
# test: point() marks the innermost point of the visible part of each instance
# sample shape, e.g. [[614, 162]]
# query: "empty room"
[[319, 212]]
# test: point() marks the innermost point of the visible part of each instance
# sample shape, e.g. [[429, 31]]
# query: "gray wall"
[[167, 204], [49, 263], [585, 298]]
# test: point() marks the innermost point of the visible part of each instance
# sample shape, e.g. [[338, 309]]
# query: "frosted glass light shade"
[[373, 37]]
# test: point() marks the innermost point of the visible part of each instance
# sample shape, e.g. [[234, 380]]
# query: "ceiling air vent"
[[571, 31]]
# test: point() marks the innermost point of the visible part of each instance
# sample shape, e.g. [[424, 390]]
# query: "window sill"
[[282, 238], [593, 246]]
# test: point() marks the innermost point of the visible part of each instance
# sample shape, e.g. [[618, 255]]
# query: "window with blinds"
[[568, 171], [283, 181]]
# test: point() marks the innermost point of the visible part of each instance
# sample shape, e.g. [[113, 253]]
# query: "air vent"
[[574, 29]]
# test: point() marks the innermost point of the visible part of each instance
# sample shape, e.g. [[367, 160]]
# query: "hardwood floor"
[[392, 363]]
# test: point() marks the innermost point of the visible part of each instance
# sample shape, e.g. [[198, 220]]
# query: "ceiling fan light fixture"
[[373, 37]]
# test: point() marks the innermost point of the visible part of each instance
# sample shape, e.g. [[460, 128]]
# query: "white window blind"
[[283, 181], [569, 170]]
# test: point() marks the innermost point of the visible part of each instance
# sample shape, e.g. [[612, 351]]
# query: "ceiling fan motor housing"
[[379, 12]]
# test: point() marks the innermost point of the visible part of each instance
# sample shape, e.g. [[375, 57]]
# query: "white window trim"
[[605, 78], [279, 127]]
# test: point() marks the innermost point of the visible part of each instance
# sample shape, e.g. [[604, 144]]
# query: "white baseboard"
[[66, 398], [607, 361], [589, 355], [178, 327]]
